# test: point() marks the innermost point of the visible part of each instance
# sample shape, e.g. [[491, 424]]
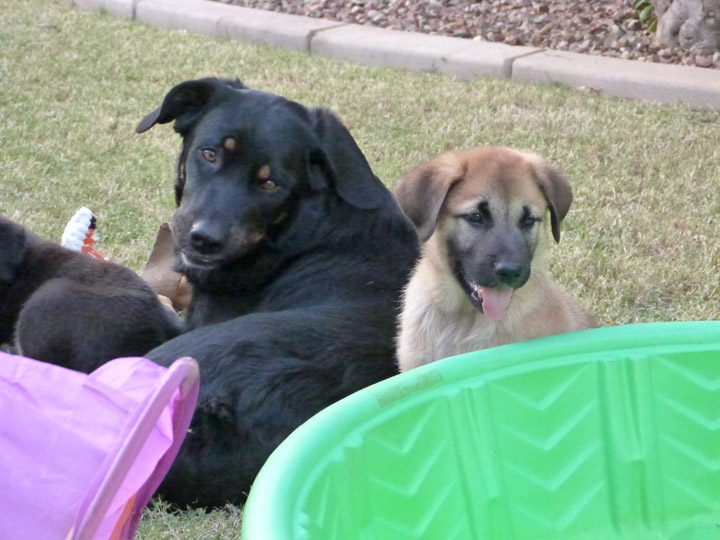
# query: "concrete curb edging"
[[226, 21], [665, 83], [420, 52], [462, 58]]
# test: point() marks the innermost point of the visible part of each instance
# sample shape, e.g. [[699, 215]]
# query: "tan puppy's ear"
[[556, 190], [422, 192]]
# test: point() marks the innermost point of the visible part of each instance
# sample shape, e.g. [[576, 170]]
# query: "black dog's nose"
[[508, 273], [206, 237]]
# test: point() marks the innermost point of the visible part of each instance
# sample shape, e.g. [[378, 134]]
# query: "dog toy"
[[171, 287], [159, 274], [80, 233]]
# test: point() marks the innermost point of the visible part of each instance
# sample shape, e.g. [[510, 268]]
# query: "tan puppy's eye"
[[474, 217], [481, 216], [209, 154], [528, 220]]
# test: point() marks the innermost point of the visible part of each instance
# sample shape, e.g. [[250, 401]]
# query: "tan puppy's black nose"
[[508, 273]]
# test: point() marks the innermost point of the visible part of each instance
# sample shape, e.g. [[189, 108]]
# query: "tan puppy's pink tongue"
[[495, 301]]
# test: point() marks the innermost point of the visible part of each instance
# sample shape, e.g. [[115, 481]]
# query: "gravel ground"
[[604, 27]]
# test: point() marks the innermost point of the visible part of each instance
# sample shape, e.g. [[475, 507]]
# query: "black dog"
[[297, 255], [70, 309]]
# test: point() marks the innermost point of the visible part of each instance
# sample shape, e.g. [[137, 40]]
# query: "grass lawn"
[[640, 244]]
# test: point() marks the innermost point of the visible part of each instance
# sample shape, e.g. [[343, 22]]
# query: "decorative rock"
[[689, 24], [704, 60]]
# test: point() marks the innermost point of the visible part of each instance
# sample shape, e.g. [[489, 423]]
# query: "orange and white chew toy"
[[79, 234]]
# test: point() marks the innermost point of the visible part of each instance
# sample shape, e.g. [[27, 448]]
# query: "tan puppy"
[[480, 281]]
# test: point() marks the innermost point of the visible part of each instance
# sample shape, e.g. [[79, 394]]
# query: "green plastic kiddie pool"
[[604, 434]]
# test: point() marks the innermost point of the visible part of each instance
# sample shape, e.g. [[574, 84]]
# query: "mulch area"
[[602, 27]]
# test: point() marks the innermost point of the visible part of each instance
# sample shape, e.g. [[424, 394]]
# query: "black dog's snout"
[[509, 273], [207, 238]]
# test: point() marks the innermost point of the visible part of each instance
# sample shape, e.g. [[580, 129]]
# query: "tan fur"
[[264, 172], [438, 320]]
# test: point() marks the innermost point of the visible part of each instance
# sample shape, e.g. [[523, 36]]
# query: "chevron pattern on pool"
[[558, 451]]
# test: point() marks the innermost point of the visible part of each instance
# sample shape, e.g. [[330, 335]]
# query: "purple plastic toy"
[[81, 455]]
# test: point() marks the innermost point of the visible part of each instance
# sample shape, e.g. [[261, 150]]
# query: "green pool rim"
[[271, 511]]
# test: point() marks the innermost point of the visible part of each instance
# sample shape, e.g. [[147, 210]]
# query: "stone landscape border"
[[458, 57]]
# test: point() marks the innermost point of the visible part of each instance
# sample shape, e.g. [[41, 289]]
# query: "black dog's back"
[[296, 296], [70, 309]]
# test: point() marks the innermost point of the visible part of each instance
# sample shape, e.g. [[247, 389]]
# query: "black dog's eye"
[[267, 184], [209, 154]]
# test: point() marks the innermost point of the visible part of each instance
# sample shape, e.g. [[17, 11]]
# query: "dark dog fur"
[[297, 255], [70, 309]]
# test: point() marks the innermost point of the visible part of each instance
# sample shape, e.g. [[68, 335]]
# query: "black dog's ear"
[[349, 172], [184, 103], [556, 190], [422, 192], [12, 249]]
